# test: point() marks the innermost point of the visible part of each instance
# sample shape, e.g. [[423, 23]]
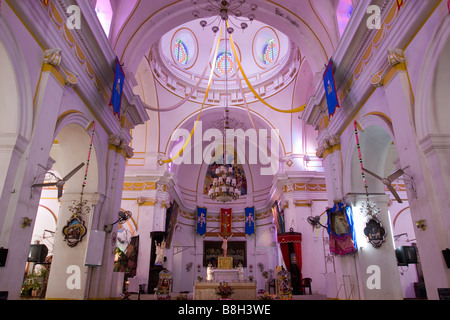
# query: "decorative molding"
[[382, 77], [328, 145], [53, 57]]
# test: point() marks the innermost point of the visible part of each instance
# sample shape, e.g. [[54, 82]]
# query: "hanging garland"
[[299, 109], [360, 157], [88, 161], [188, 140], [75, 229]]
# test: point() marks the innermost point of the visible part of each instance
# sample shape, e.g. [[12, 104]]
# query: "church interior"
[[224, 149]]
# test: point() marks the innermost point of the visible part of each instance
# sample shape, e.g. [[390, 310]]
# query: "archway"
[[71, 148], [379, 156]]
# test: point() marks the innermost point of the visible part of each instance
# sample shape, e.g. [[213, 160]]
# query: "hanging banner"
[[330, 90], [116, 95], [250, 221], [225, 222], [340, 230], [201, 221]]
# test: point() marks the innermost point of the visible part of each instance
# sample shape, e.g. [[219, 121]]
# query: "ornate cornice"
[[161, 69]]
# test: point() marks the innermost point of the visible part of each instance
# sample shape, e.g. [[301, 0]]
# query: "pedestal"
[[225, 275], [225, 263]]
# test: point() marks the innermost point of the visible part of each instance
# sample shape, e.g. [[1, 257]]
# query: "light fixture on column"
[[225, 10], [123, 217]]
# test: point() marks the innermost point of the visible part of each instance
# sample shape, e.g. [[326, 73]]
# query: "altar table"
[[243, 290]]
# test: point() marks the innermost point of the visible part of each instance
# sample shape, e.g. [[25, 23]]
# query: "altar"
[[242, 290], [225, 275]]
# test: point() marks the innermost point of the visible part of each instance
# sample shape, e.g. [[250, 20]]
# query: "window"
[[270, 52], [104, 14], [181, 53], [224, 63]]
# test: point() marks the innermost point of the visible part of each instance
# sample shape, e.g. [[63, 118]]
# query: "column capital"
[[53, 59], [328, 145]]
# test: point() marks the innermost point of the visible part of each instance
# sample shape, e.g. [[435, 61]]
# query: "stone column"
[[376, 267], [69, 275], [424, 198], [20, 201]]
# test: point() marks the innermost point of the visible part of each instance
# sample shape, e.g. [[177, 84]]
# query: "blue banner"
[[330, 89], [116, 95], [250, 221], [201, 221]]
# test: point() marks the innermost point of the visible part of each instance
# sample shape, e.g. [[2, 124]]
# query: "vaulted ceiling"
[[165, 47]]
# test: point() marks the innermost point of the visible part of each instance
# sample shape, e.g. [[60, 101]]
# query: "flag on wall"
[[250, 221], [116, 95], [201, 221], [330, 89], [225, 221]]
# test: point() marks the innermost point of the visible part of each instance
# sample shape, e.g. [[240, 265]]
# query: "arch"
[[377, 129], [428, 115], [17, 85], [72, 148], [207, 110]]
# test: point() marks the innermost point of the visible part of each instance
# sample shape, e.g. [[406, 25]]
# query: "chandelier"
[[226, 181], [223, 10]]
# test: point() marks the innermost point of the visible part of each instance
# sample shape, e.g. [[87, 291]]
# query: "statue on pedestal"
[[240, 270], [209, 272]]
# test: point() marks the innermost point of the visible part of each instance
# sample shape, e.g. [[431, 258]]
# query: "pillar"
[[423, 197], [377, 269], [21, 201], [69, 275]]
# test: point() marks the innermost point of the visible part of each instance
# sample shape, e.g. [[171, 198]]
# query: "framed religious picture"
[[165, 282], [375, 232]]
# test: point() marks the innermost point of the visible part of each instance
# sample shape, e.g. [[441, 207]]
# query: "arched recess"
[[376, 142], [16, 108], [74, 119], [431, 110], [16, 100], [259, 176]]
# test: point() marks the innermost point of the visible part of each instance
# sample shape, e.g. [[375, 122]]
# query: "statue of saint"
[[240, 271], [225, 244], [160, 252], [209, 273]]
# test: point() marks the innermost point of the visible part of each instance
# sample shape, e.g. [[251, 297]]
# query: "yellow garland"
[[299, 109], [176, 156]]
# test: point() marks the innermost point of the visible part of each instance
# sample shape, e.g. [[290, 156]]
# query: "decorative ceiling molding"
[[288, 71]]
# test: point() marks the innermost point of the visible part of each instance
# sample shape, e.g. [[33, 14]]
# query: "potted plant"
[[224, 290]]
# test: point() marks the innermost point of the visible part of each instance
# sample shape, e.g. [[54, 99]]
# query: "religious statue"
[[225, 244], [160, 252], [209, 272], [240, 271]]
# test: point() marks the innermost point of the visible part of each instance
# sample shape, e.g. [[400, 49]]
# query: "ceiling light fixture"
[[224, 10]]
